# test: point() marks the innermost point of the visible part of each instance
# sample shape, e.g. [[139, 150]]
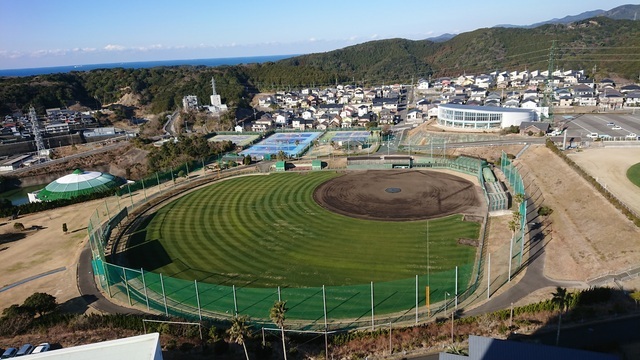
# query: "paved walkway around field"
[[31, 278]]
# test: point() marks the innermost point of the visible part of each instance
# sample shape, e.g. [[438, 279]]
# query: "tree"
[[636, 296], [239, 332], [560, 298], [13, 310], [64, 228], [277, 315], [40, 303], [281, 156], [246, 160], [18, 226]]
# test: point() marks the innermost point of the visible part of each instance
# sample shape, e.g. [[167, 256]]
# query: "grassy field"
[[268, 231], [634, 174], [260, 232]]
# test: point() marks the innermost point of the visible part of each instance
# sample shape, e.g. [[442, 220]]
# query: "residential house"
[[302, 124], [530, 94], [266, 100], [423, 105], [308, 114], [529, 103], [263, 124], [414, 116], [385, 116], [282, 118], [484, 81], [534, 127], [511, 103], [632, 99], [630, 88], [606, 83], [611, 99], [423, 84]]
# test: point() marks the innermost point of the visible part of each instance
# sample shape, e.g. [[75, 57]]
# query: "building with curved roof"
[[482, 117], [77, 183]]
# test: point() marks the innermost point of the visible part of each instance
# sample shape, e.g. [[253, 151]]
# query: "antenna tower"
[[35, 129]]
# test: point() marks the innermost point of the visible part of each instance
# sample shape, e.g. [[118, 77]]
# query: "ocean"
[[144, 64]]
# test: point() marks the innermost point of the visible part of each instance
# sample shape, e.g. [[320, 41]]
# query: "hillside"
[[623, 12], [609, 46]]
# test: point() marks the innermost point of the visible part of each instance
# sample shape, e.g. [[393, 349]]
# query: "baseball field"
[[271, 231]]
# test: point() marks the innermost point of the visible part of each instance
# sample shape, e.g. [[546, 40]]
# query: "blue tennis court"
[[293, 144]]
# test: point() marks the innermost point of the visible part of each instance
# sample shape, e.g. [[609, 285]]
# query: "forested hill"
[[612, 46]]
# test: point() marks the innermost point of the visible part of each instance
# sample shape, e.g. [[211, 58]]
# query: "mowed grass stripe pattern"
[[633, 174], [267, 231]]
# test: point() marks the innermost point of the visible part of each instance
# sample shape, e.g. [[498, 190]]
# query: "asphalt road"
[[70, 157], [89, 290]]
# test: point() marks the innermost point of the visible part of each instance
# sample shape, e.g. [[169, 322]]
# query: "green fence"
[[357, 306], [513, 177]]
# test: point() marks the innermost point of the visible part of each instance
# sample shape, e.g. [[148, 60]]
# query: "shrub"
[[18, 226], [545, 211]]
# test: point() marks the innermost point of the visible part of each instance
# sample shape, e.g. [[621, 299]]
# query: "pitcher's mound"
[[397, 195]]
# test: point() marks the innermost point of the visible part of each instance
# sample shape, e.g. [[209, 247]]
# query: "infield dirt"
[[399, 195]]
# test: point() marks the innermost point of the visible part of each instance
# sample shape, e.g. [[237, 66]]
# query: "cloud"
[[112, 47], [374, 36]]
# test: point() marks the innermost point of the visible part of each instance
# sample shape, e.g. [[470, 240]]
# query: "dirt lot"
[[609, 166], [588, 236]]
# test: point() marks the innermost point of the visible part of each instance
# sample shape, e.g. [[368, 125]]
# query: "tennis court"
[[240, 140], [292, 144]]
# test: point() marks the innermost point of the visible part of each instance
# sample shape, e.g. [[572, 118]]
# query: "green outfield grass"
[[258, 233], [634, 174], [267, 231]]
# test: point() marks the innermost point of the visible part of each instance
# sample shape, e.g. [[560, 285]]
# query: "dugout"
[[281, 166], [379, 162]]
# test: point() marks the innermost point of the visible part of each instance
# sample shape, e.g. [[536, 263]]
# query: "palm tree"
[[277, 315], [561, 298], [239, 331]]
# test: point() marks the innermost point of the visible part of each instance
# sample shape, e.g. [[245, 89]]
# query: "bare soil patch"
[[609, 166], [397, 195], [587, 236]]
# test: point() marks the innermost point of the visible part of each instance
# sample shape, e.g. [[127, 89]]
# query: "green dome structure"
[[79, 183]]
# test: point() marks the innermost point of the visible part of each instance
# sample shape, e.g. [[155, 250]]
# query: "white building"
[[190, 102], [142, 347], [481, 117], [216, 101]]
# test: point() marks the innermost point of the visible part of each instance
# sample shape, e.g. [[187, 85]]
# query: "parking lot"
[[604, 126]]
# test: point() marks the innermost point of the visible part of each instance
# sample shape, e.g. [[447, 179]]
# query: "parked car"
[[41, 348], [9, 353], [592, 135], [24, 350], [632, 136]]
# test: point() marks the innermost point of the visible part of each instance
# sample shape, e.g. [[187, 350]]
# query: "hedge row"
[[612, 199], [29, 208]]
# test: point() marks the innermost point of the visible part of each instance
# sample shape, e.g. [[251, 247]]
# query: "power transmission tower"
[[548, 91], [35, 129]]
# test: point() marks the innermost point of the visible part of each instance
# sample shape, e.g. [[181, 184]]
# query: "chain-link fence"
[[355, 306]]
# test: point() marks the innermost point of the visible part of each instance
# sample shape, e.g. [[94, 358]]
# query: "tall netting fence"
[[411, 300], [519, 222]]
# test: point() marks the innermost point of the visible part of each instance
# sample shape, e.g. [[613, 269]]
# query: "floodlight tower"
[[35, 129]]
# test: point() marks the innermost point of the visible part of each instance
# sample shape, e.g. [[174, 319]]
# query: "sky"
[[43, 33]]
